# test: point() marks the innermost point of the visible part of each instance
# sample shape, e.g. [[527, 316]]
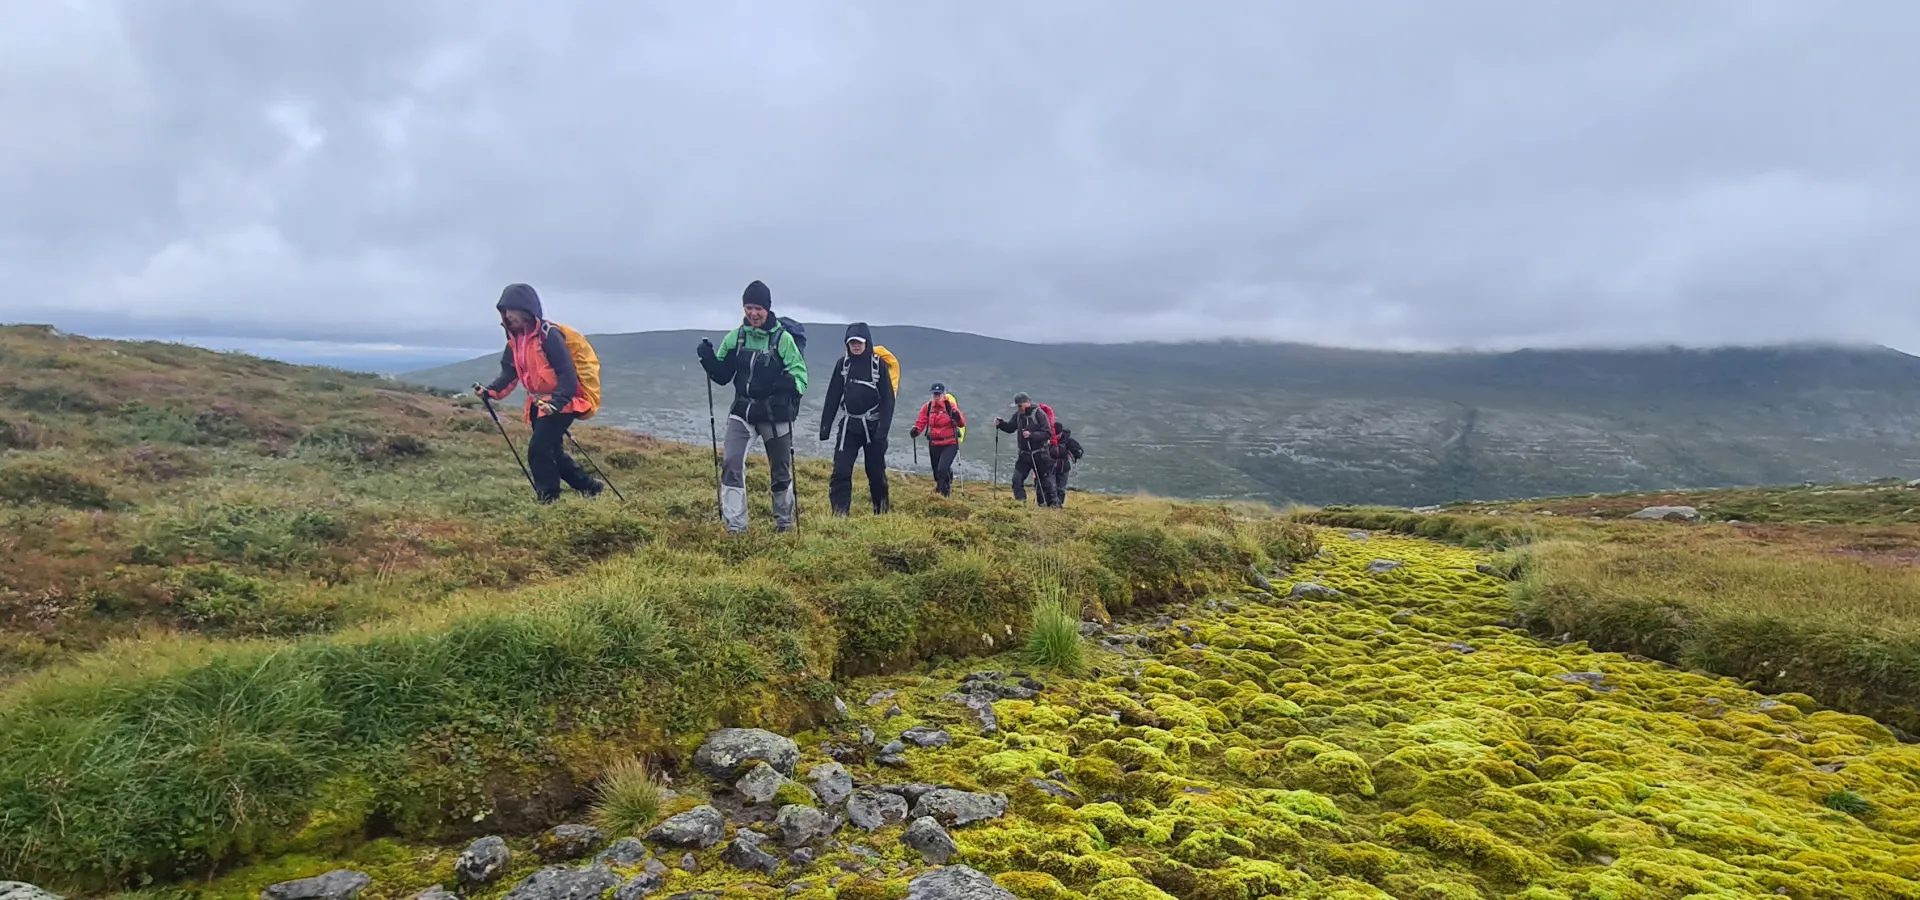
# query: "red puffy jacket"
[[940, 423]]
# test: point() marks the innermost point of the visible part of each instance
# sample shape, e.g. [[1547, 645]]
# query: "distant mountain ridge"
[[1314, 424]]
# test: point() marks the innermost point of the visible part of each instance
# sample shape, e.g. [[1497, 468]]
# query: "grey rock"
[[893, 711], [847, 753], [867, 736], [982, 676], [1665, 513], [799, 887], [840, 706], [570, 841], [1458, 647], [873, 810], [744, 853], [339, 884], [1358, 536], [800, 825], [1313, 589], [893, 748], [1581, 677], [930, 840], [1383, 566], [728, 752], [564, 883], [982, 708], [926, 736], [699, 828], [20, 890], [910, 792], [831, 783], [880, 697], [1089, 629], [482, 861], [801, 857], [893, 760], [1259, 580], [436, 892], [1055, 789], [760, 783], [953, 807], [624, 853], [1829, 768], [689, 864], [640, 885], [956, 883], [1769, 703], [655, 867]]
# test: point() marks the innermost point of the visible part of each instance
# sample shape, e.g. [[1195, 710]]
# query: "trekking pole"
[[596, 466], [996, 458], [793, 477], [510, 446], [713, 432]]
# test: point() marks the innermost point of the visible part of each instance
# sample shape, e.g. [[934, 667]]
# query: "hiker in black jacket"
[[1065, 453], [860, 396], [1033, 424]]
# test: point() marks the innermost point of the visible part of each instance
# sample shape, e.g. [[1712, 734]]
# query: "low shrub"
[[37, 482]]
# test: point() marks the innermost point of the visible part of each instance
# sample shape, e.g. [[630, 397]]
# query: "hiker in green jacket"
[[762, 360]]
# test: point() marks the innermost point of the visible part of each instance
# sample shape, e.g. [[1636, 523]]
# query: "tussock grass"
[[628, 798], [1054, 639]]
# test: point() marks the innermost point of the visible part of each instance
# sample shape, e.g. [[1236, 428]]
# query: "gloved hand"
[[705, 350], [913, 432], [824, 433], [545, 407], [479, 390]]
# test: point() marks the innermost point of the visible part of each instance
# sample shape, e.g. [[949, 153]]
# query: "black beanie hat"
[[757, 294]]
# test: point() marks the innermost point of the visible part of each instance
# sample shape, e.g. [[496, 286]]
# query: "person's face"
[[517, 319], [856, 346], [757, 316], [1024, 404]]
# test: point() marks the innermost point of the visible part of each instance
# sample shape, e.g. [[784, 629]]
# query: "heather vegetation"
[[264, 623]]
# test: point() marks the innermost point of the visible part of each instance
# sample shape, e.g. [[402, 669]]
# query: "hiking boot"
[[546, 498], [593, 488]]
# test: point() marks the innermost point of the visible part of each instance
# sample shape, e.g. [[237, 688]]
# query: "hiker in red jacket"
[[941, 421]]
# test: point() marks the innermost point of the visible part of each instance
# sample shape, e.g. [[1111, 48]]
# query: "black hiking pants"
[[943, 455], [548, 462], [857, 435], [1060, 472], [1040, 464]]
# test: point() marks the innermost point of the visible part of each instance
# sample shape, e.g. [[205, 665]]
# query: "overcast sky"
[[1406, 174]]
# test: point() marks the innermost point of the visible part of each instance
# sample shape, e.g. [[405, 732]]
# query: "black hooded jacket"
[[1068, 451], [1033, 421], [554, 344], [861, 387]]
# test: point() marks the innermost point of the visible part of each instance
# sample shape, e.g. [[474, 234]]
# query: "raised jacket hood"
[[521, 297], [859, 330]]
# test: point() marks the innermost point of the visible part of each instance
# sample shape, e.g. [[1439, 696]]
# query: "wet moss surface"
[[1393, 740]]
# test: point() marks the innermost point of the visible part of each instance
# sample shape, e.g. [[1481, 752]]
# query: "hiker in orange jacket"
[[537, 359]]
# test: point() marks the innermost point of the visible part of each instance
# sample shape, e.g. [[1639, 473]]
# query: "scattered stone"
[[893, 760], [1163, 622], [1260, 581], [1830, 768], [482, 861], [1383, 566], [654, 866], [1089, 629], [1402, 617], [956, 883], [840, 706], [880, 697], [982, 708], [436, 892], [744, 853], [689, 864], [1033, 684], [564, 883], [1358, 536], [867, 736], [1668, 513], [953, 807], [1196, 790], [569, 842], [926, 736], [873, 810], [1769, 703], [1313, 589], [1486, 569], [848, 754], [700, 827], [729, 752], [1586, 677], [1603, 859], [640, 885], [1457, 647], [931, 841], [801, 825], [801, 857], [20, 890], [760, 783], [339, 884], [799, 887], [831, 783], [893, 711], [893, 748], [864, 850], [624, 852], [982, 676], [1055, 789], [910, 792]]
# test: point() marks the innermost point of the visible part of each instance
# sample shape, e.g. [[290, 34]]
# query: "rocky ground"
[[1368, 728]]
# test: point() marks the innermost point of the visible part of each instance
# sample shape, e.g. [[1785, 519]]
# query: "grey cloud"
[[1384, 174]]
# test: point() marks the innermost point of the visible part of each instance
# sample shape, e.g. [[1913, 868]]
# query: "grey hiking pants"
[[778, 438]]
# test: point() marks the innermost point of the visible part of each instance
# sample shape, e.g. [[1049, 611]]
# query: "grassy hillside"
[[1810, 588], [336, 634], [1294, 423]]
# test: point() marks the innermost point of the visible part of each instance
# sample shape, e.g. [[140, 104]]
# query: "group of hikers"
[[763, 360]]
